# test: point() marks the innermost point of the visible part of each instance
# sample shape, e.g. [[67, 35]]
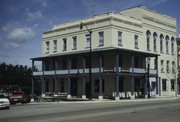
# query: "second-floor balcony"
[[95, 70]]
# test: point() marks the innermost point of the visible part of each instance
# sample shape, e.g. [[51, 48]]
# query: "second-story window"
[[136, 41], [74, 42], [172, 45], [167, 44], [87, 40], [64, 44], [101, 38], [173, 67], [155, 42], [167, 66], [47, 47], [162, 66], [55, 45], [161, 43], [119, 38], [148, 34]]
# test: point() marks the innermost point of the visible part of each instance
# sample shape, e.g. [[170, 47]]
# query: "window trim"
[[74, 43], [136, 41], [64, 44], [101, 39], [119, 38]]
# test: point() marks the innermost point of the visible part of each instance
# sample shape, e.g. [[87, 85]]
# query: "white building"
[[133, 55]]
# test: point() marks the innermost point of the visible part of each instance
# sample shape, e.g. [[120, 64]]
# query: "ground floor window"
[[164, 84], [97, 86], [172, 84]]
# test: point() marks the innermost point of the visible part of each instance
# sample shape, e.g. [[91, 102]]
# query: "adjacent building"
[[178, 63], [130, 54]]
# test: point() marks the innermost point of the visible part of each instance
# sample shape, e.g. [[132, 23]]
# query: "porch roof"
[[147, 54]]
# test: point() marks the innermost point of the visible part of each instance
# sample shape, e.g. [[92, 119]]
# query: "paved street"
[[107, 111]]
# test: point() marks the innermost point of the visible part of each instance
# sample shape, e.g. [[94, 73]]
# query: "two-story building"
[[129, 54]]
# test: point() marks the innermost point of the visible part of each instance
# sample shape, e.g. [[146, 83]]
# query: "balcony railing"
[[94, 70]]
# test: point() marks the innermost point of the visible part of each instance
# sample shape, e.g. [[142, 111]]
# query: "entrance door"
[[74, 87]]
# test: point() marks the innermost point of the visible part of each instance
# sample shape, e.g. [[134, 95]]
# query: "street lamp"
[[90, 55]]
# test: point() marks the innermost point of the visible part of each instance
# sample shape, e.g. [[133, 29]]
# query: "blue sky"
[[23, 21]]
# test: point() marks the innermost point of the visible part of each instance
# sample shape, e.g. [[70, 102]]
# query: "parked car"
[[17, 97], [4, 102]]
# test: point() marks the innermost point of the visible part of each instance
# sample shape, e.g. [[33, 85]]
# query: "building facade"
[[131, 54], [178, 63]]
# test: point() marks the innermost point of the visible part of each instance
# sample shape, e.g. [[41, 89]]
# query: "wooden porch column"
[[55, 78], [117, 78], [157, 78], [132, 77], [69, 80], [100, 97], [145, 87], [43, 87], [84, 80]]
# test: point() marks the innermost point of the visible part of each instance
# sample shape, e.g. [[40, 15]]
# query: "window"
[[161, 43], [155, 64], [87, 60], [164, 85], [148, 34], [47, 47], [172, 84], [136, 41], [74, 42], [64, 44], [155, 42], [87, 40], [172, 45], [167, 44], [162, 66], [173, 67], [119, 38], [167, 66], [55, 45], [101, 38], [74, 63]]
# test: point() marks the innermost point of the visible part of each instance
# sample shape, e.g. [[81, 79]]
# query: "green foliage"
[[15, 77]]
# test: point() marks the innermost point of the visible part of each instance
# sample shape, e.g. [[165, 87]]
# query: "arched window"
[[155, 41], [161, 43], [172, 45], [167, 44], [148, 35]]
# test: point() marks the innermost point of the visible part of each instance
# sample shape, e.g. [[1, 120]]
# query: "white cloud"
[[35, 25], [21, 34], [16, 35], [32, 16], [42, 3]]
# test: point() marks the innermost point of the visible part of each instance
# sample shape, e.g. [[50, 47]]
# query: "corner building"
[[133, 55]]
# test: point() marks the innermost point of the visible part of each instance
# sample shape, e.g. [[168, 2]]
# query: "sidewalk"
[[110, 100]]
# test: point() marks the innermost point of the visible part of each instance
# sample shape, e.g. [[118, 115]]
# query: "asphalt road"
[[125, 111]]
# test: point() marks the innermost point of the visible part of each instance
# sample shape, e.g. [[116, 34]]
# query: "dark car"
[[17, 97]]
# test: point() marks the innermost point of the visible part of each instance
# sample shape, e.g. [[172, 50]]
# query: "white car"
[[4, 102]]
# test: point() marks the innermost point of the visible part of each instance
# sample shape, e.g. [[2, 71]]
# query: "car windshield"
[[2, 96]]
